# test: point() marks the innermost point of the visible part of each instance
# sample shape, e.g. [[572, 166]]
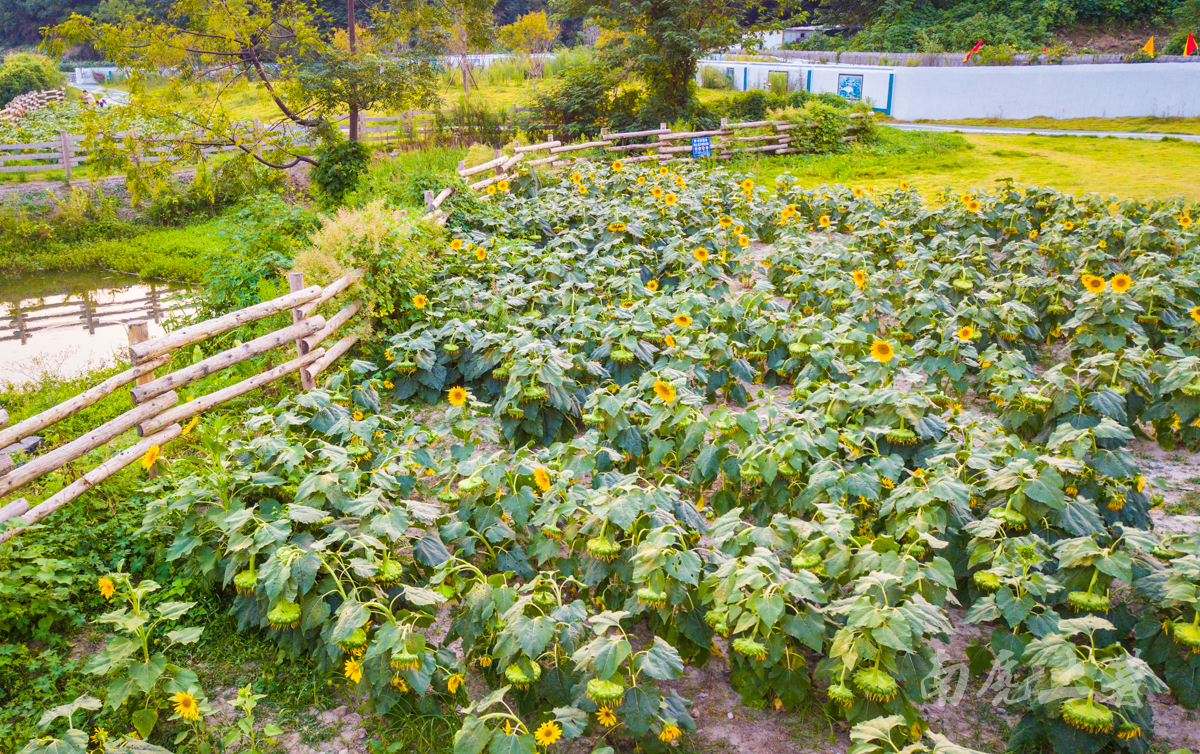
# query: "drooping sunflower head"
[[1087, 715], [875, 684], [286, 614]]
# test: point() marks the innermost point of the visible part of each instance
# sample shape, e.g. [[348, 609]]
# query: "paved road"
[[1008, 131], [115, 96]]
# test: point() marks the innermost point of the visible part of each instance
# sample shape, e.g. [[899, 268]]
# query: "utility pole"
[[353, 100]]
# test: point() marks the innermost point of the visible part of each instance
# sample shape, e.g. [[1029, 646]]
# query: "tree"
[[661, 40], [280, 46], [22, 73], [463, 26], [531, 35]]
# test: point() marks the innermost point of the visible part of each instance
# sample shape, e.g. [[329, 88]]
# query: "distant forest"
[[885, 25]]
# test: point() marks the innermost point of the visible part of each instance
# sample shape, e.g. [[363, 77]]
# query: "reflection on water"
[[65, 323]]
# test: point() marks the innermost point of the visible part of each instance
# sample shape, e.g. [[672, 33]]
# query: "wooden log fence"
[[657, 144], [157, 415]]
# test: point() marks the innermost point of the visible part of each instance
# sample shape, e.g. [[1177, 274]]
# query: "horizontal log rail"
[[157, 415]]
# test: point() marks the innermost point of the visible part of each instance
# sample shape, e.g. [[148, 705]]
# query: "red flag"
[[1045, 49], [1190, 45], [973, 50]]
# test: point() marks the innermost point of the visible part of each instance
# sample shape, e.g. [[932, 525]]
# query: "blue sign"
[[850, 86], [701, 146]]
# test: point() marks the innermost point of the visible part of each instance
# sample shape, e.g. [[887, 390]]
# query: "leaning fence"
[[157, 413]]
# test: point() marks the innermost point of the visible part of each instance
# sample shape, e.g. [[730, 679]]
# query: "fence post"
[[429, 201], [496, 154], [138, 331], [296, 283], [65, 142]]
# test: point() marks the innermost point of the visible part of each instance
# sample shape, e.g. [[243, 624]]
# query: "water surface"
[[68, 322]]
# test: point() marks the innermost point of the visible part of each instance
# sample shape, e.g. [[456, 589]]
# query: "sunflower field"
[[643, 418]]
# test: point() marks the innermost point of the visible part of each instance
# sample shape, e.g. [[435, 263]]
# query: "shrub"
[[393, 246], [586, 99], [822, 127], [340, 163], [23, 72]]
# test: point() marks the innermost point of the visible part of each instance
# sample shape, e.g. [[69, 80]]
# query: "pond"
[[65, 323]]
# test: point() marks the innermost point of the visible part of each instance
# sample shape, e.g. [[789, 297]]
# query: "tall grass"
[[714, 78], [566, 59]]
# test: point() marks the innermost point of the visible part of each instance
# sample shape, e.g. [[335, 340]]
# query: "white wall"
[[1055, 91], [1059, 91]]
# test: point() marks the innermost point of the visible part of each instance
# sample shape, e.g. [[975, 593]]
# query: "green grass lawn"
[[1136, 125], [1079, 165]]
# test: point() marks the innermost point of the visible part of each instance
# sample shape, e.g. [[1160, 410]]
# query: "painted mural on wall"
[[850, 85]]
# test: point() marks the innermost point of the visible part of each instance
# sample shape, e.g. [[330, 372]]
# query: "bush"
[[23, 72], [393, 246], [260, 236], [339, 164], [823, 127], [586, 99]]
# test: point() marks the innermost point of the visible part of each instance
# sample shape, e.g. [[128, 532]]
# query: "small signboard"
[[701, 146]]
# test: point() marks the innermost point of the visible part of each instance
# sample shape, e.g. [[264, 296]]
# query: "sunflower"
[[1185, 221], [725, 221], [617, 166], [353, 671], [548, 732], [357, 416], [107, 587], [576, 177], [481, 253], [663, 171], [823, 221], [151, 457], [652, 285], [882, 351], [454, 683], [860, 278], [458, 396], [669, 340], [665, 391], [419, 301], [737, 230], [683, 320], [606, 716], [701, 254], [1033, 234], [502, 185], [641, 180], [670, 199], [669, 734], [743, 241], [582, 190], [972, 206], [542, 478], [1068, 225], [1195, 313], [1121, 282], [491, 190], [1094, 284], [186, 706], [456, 244], [656, 192], [904, 185], [616, 227], [966, 333], [857, 192]]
